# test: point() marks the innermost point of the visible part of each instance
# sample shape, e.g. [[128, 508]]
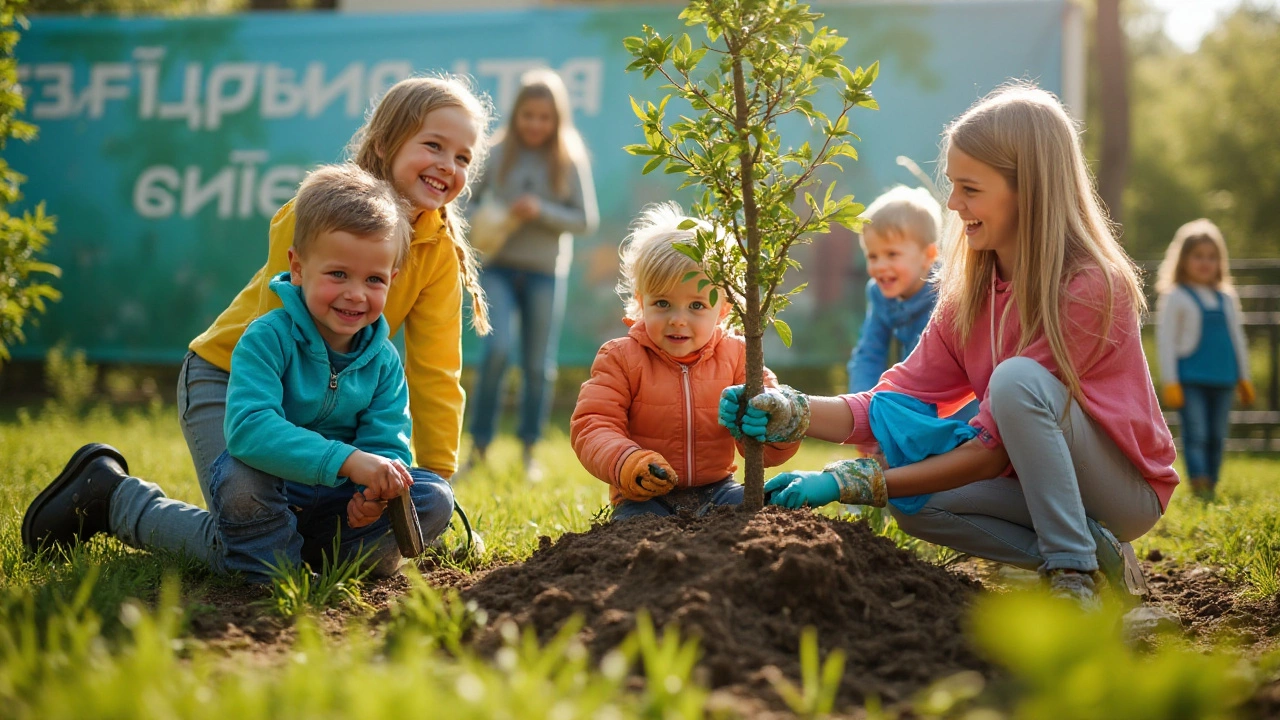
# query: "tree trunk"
[[1113, 76], [752, 327]]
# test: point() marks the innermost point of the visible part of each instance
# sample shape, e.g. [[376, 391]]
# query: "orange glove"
[[1244, 389], [1173, 396], [645, 475]]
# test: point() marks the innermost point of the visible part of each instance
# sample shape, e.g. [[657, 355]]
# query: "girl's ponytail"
[[469, 266]]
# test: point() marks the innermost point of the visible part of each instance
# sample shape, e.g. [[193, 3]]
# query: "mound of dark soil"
[[747, 584]]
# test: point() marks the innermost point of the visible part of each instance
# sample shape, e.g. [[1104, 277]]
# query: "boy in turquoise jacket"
[[317, 425], [317, 420]]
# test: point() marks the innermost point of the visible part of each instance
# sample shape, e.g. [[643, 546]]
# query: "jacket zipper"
[[688, 423]]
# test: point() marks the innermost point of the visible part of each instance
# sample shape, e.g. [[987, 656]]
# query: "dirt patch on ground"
[[747, 584], [1212, 608]]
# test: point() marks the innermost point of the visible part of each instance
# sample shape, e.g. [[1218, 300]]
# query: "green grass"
[[103, 632]]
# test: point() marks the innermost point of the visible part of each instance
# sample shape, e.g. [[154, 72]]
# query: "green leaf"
[[652, 165], [784, 330], [715, 296], [689, 276], [687, 224]]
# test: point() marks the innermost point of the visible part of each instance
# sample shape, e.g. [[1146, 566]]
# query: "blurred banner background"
[[165, 145]]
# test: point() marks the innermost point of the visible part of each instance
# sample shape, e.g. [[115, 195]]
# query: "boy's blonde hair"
[[398, 116], [903, 211], [1024, 133], [1173, 269], [564, 147], [651, 264], [347, 198]]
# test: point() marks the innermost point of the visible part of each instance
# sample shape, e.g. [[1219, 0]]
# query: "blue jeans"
[[1069, 474], [1206, 413], [538, 301], [202, 408], [725, 492], [263, 519]]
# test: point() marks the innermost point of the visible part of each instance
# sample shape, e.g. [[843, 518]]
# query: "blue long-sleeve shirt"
[[887, 319], [291, 415]]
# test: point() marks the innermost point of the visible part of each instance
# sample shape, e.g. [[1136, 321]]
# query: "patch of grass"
[[1239, 530]]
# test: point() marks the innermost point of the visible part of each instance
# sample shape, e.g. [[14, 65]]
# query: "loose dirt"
[[746, 584]]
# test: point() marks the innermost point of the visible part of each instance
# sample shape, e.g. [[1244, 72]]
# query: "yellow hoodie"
[[426, 297]]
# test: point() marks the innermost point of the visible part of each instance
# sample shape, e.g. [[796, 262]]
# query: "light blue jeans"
[[725, 492], [536, 302], [1206, 418], [1069, 474], [140, 513]]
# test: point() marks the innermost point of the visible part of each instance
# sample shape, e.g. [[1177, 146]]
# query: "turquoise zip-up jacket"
[[290, 416]]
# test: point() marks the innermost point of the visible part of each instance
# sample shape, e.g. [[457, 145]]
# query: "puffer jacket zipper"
[[688, 424]]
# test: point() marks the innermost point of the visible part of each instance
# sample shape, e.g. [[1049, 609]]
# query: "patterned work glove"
[[776, 415], [1244, 389], [1172, 396], [645, 475], [852, 482]]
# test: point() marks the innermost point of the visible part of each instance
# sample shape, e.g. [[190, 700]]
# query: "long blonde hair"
[[1173, 269], [399, 115], [563, 149], [1024, 133]]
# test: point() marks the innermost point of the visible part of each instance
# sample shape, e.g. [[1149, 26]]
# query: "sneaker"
[[1117, 562], [1075, 586], [533, 471]]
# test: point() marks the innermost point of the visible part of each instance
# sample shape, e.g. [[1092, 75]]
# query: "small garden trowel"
[[404, 523]]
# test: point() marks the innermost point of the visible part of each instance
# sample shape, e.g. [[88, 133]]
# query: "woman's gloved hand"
[[852, 482], [1244, 389], [1172, 396], [779, 414], [645, 475]]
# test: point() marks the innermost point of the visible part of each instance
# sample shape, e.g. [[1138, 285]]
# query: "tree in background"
[[766, 61], [1112, 62], [24, 287], [1210, 140]]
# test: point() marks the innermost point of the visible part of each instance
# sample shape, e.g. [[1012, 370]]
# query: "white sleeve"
[[1235, 319], [1171, 325]]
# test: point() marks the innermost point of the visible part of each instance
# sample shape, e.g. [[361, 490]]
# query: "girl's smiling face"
[[986, 203], [682, 319], [430, 168]]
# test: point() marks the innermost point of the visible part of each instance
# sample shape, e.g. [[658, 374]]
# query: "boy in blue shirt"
[[901, 245], [317, 421]]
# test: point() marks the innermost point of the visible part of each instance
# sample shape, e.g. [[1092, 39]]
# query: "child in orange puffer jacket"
[[645, 421]]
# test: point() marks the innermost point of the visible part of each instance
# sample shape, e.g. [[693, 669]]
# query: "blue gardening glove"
[[776, 415], [852, 482]]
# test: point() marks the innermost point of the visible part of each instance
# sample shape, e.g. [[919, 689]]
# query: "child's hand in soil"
[[361, 511], [852, 482], [777, 415], [645, 475], [382, 478]]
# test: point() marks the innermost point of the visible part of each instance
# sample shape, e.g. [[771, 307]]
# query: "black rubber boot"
[[75, 506]]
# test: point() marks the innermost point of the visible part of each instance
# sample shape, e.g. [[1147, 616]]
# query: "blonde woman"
[[1038, 316], [541, 174]]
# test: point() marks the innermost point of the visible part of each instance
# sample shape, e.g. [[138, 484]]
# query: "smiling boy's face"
[[682, 320], [897, 261], [344, 279]]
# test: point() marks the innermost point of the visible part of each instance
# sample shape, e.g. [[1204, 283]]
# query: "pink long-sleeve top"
[[1116, 384]]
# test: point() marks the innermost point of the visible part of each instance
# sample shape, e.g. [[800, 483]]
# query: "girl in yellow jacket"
[[425, 137]]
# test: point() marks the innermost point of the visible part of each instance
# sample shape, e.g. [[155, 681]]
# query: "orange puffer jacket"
[[638, 396]]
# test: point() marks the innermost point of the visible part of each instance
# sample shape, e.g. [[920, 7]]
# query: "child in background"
[[540, 172], [645, 421], [317, 419], [1039, 315], [901, 246], [1204, 357], [424, 137]]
